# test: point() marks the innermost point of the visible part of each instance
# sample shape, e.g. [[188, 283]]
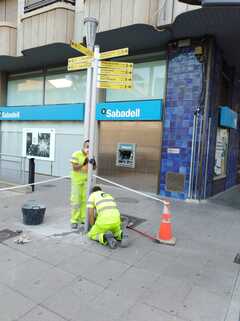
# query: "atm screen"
[[126, 155]]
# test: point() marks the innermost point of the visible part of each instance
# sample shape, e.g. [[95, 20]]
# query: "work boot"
[[74, 226], [112, 242]]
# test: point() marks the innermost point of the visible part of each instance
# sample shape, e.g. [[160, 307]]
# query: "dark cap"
[[96, 189]]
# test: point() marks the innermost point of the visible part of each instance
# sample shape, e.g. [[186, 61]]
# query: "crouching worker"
[[105, 220]]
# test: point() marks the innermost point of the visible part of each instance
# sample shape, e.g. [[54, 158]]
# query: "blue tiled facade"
[[184, 86], [184, 89], [233, 148]]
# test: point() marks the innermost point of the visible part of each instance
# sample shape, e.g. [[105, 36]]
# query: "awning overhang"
[[219, 22], [192, 2]]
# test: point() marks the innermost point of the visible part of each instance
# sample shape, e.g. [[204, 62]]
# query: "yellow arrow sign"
[[114, 53], [79, 47], [122, 78], [76, 66], [114, 71], [114, 64], [80, 60], [110, 85]]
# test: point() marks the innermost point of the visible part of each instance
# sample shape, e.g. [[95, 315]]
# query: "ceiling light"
[[61, 83]]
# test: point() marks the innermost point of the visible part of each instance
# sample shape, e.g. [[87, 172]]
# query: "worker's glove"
[[92, 161], [85, 161]]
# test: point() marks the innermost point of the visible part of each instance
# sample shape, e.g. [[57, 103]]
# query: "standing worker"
[[79, 176], [106, 227]]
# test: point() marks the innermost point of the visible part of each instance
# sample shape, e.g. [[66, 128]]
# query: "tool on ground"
[[22, 239]]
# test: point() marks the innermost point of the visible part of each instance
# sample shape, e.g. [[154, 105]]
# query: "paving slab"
[[143, 312], [45, 284], [80, 262], [105, 271], [167, 294], [13, 304], [9, 258], [113, 304], [39, 313], [73, 300], [133, 282], [202, 305], [24, 274]]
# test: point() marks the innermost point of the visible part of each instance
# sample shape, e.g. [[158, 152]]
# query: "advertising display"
[[39, 143], [221, 153]]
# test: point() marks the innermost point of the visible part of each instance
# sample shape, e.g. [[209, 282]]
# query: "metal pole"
[[198, 153], [193, 150], [92, 128], [87, 111], [207, 158], [205, 121], [31, 174]]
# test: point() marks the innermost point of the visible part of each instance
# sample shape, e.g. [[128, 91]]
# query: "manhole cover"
[[127, 200], [6, 234], [237, 259], [133, 221]]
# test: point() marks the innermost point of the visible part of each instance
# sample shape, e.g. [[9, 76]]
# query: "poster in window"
[[39, 143], [221, 152]]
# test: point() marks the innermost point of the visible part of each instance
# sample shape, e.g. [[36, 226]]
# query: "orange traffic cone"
[[164, 234]]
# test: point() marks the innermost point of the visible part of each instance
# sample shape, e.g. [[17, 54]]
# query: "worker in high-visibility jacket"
[[106, 226], [79, 175]]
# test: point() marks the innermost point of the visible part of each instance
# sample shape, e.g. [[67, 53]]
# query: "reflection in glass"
[[148, 83]]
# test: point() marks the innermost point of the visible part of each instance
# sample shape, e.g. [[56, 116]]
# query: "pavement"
[[63, 276]]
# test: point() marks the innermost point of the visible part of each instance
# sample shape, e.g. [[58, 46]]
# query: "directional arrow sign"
[[114, 53], [80, 60], [77, 66], [113, 64], [115, 78], [79, 47], [110, 85], [114, 71]]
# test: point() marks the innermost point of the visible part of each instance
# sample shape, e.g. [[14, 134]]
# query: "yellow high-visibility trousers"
[[102, 225], [78, 201]]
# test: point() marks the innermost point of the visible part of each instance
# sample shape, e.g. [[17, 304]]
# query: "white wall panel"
[[69, 137]]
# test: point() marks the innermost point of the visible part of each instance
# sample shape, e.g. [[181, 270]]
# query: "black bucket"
[[33, 213]]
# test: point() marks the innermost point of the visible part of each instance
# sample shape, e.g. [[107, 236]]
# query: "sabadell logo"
[[116, 113], [9, 115]]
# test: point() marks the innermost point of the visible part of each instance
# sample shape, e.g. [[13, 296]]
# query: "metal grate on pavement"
[[7, 234]]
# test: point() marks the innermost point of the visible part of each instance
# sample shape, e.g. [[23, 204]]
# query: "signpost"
[[114, 53], [101, 74], [81, 48], [113, 85]]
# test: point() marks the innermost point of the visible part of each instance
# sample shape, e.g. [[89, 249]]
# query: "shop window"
[[65, 88], [27, 91], [221, 153], [149, 80]]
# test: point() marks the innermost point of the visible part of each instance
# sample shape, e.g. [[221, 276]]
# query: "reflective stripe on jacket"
[[104, 204]]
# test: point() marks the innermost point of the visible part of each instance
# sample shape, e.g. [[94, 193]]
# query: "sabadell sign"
[[134, 110], [9, 115], [136, 113]]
